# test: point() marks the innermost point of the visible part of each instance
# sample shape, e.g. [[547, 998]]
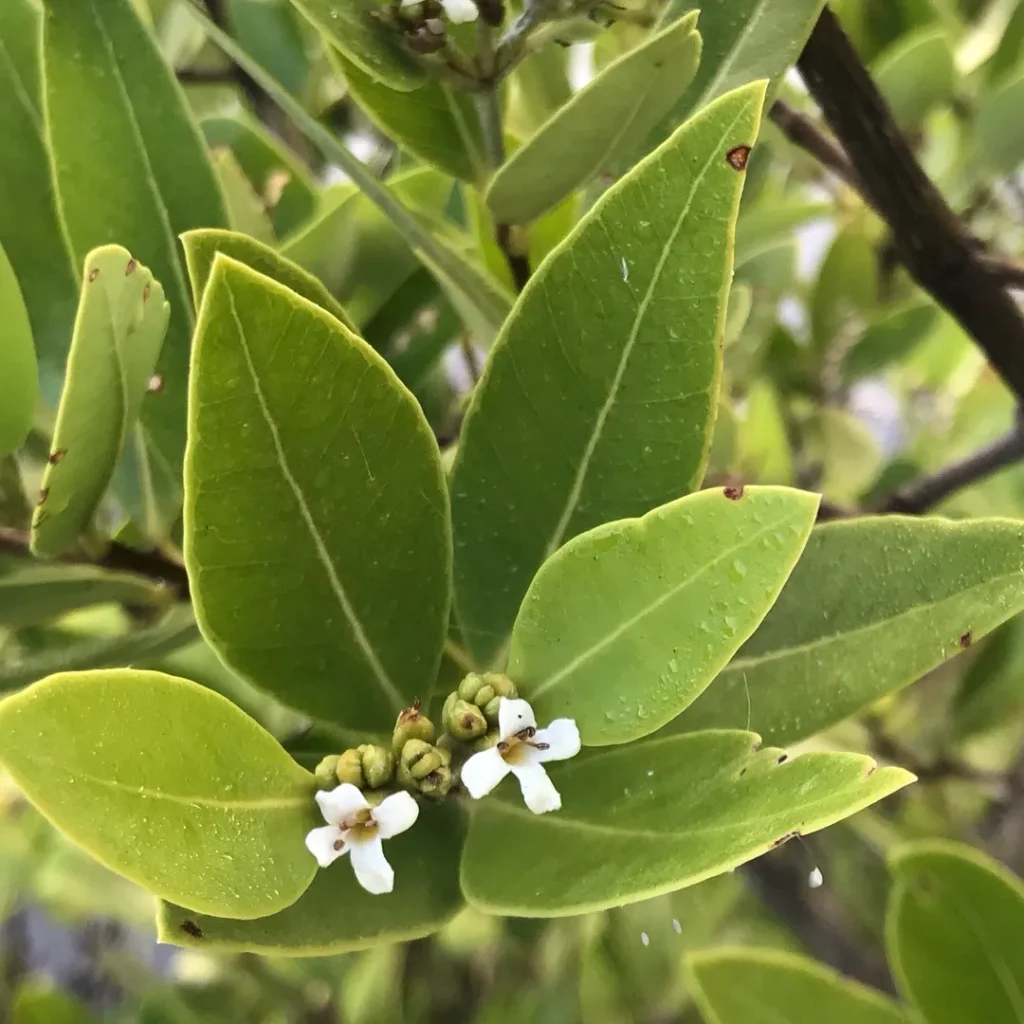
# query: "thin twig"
[[931, 241], [927, 492], [117, 557], [805, 132]]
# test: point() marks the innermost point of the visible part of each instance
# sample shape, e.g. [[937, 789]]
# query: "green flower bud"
[[412, 724], [437, 784], [350, 768], [465, 721], [367, 766], [418, 760], [326, 773], [488, 740], [485, 690]]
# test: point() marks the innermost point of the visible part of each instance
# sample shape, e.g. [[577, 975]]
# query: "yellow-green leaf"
[[19, 382]]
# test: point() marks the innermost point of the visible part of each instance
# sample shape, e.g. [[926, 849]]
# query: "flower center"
[[360, 827], [514, 750]]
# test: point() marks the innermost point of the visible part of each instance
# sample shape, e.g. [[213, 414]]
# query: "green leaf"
[[277, 176], [434, 122], [873, 605], [953, 934], [274, 33], [600, 126], [176, 629], [105, 80], [358, 30], [916, 74], [765, 986], [991, 690], [764, 449], [445, 263], [31, 593], [646, 273], [644, 820], [744, 40], [245, 209], [316, 519], [30, 231], [849, 454], [846, 289], [336, 915], [201, 248], [166, 783], [998, 132], [663, 601], [19, 382], [772, 221], [889, 338], [40, 1003], [121, 323]]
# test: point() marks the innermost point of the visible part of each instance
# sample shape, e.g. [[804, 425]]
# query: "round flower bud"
[[412, 724], [465, 721], [326, 773], [350, 768], [418, 760], [378, 765], [485, 690], [437, 784]]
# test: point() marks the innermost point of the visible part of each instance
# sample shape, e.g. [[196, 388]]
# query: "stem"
[[931, 241]]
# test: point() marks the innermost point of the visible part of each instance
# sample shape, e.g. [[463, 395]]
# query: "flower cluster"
[[489, 732]]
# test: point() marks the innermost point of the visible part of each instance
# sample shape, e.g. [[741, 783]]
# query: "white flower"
[[458, 11], [354, 827], [522, 749]]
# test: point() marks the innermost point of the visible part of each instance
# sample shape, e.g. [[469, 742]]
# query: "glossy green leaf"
[[357, 29], [316, 519], [744, 40], [663, 602], [246, 213], [539, 86], [166, 783], [121, 323], [435, 122], [771, 221], [872, 605], [30, 231], [201, 248], [642, 820], [31, 593], [953, 934], [447, 264], [889, 338], [765, 986], [991, 692], [336, 914], [109, 92], [601, 125], [916, 74], [19, 381], [849, 455], [613, 349], [174, 630], [273, 32], [276, 174], [998, 131]]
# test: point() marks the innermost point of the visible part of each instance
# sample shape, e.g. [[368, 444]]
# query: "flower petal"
[[395, 814], [539, 791], [321, 843], [373, 872], [562, 738], [460, 10], [513, 717], [483, 771], [341, 803]]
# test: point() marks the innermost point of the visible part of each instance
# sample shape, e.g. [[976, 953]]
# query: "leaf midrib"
[[323, 555], [743, 664], [654, 605], [564, 821], [572, 501], [216, 803]]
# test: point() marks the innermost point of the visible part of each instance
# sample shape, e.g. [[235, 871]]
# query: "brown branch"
[[923, 494], [931, 241], [117, 558], [206, 76], [518, 264]]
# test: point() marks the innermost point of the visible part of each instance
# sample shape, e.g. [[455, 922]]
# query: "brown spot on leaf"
[[43, 494], [734, 492], [783, 758], [55, 457], [94, 273], [966, 639], [156, 383], [145, 294], [784, 839], [737, 157], [130, 269], [191, 928]]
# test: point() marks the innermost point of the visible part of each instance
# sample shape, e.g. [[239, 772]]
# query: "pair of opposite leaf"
[[356, 827]]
